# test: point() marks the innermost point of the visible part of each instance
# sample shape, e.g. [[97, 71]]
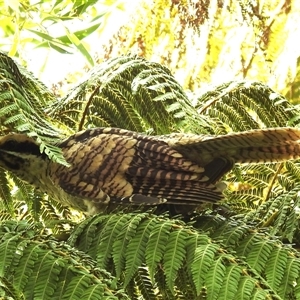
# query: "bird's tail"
[[254, 146]]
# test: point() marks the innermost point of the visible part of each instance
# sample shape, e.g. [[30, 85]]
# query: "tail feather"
[[254, 146]]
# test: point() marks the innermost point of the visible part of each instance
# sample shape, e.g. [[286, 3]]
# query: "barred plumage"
[[111, 165]]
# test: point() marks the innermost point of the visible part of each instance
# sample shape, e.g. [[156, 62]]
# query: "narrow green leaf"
[[174, 255]]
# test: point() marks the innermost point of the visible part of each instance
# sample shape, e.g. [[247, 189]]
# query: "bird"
[[117, 166]]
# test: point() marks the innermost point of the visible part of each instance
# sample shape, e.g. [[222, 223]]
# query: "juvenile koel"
[[111, 165]]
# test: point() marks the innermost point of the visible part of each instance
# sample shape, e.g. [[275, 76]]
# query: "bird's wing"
[[114, 164]]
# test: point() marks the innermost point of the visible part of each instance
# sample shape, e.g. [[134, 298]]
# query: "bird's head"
[[21, 155]]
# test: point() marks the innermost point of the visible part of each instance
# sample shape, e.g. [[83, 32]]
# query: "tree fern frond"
[[21, 106], [255, 105], [174, 255], [215, 278], [144, 284], [229, 232], [119, 246], [259, 255], [275, 269], [182, 253], [8, 291], [95, 292], [231, 281], [8, 109], [106, 239], [203, 259], [123, 92], [291, 274], [156, 246], [86, 232], [280, 212], [136, 249], [5, 195], [160, 279], [33, 262], [88, 240], [261, 251], [290, 175]]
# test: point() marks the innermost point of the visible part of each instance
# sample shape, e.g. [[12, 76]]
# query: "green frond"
[[215, 278], [290, 176], [231, 279], [246, 105], [86, 240], [246, 288], [276, 267], [5, 195], [289, 278], [204, 257], [120, 244], [183, 257], [156, 246], [31, 260], [8, 291], [22, 102], [260, 254], [281, 213], [52, 218], [7, 110], [136, 249], [252, 185], [107, 238], [144, 284], [264, 253], [126, 92], [93, 292], [89, 241], [174, 255]]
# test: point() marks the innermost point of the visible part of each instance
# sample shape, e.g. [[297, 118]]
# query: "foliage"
[[39, 267], [241, 249], [178, 260], [158, 257], [44, 22], [126, 92]]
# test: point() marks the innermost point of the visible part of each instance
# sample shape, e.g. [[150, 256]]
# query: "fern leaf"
[[84, 237], [77, 287], [230, 283], [136, 249], [156, 246], [291, 274], [24, 270], [109, 232], [214, 278], [174, 255], [246, 288], [259, 255], [203, 259], [122, 240], [144, 284], [276, 267], [7, 250], [95, 292]]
